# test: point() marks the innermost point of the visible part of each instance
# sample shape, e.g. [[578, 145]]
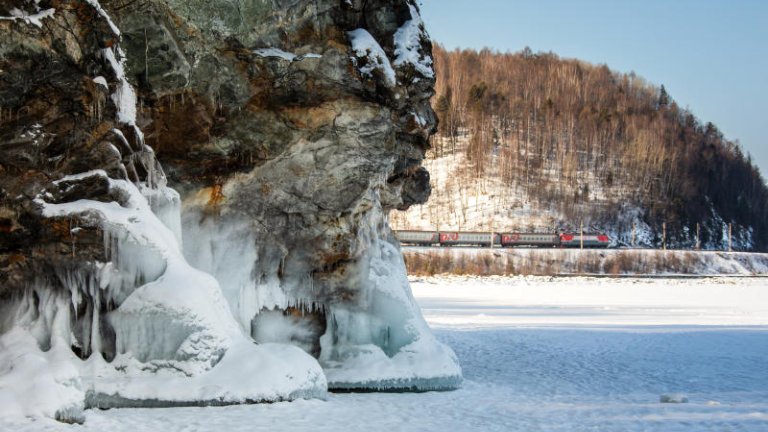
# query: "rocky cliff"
[[179, 179]]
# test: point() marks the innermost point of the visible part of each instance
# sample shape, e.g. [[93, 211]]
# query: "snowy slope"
[[460, 201], [464, 200]]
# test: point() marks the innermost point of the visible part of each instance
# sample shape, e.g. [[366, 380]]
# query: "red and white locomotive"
[[486, 239]]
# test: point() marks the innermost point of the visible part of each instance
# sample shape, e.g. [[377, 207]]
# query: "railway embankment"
[[427, 261]]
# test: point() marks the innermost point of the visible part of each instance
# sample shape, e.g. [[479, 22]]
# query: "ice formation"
[[372, 338], [383, 342], [155, 331]]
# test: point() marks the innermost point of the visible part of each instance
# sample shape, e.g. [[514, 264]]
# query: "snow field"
[[543, 354], [565, 261], [478, 302]]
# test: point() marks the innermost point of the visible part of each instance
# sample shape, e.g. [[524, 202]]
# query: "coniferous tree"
[[663, 98]]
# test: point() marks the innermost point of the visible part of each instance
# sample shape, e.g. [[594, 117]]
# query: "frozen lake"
[[546, 354]]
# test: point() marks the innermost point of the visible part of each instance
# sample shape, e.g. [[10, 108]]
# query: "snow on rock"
[[274, 52], [34, 383], [285, 55], [34, 19], [370, 58], [100, 80], [125, 99], [408, 44], [96, 5], [124, 96], [246, 373], [166, 205]]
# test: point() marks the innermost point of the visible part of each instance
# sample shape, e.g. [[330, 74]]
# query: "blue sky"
[[711, 55]]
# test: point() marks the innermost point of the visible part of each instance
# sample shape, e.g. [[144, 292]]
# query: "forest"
[[593, 144]]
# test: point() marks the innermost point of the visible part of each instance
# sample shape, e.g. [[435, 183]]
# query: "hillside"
[[535, 142]]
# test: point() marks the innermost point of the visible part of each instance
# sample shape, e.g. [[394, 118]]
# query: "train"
[[487, 239]]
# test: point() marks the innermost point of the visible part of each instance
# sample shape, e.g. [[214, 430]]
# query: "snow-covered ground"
[[549, 354], [593, 303], [557, 261]]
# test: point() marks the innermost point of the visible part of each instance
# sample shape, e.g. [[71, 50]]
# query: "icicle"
[[86, 331], [96, 326]]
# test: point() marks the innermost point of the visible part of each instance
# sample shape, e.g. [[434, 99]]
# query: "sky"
[[710, 55]]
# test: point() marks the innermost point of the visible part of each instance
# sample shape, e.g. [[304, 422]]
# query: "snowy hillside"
[[466, 201], [462, 200]]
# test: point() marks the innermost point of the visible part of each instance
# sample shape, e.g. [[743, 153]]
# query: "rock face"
[[290, 129]]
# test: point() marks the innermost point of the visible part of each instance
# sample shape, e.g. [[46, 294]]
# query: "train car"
[[530, 239], [469, 238], [589, 240], [421, 238]]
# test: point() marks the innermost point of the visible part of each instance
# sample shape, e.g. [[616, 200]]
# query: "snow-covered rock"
[[37, 383], [371, 58]]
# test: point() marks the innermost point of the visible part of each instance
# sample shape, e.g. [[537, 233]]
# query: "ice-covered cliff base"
[[365, 330], [146, 329], [142, 329], [405, 356]]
